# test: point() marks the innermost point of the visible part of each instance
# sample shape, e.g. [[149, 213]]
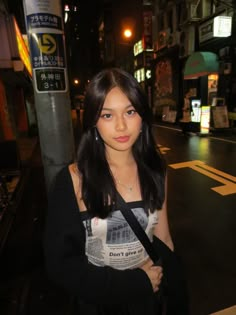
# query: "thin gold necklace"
[[129, 188]]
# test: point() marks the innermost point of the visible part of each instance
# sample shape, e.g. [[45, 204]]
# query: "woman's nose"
[[120, 123]]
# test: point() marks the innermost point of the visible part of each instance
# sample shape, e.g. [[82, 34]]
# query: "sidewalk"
[[221, 133], [14, 179], [24, 286]]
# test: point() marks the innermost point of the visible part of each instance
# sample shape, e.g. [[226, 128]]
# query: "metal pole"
[[45, 32]]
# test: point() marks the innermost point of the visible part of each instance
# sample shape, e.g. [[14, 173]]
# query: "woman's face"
[[119, 124]]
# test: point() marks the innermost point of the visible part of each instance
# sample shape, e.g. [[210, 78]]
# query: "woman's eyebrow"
[[107, 108]]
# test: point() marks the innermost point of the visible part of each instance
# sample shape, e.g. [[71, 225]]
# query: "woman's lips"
[[122, 139]]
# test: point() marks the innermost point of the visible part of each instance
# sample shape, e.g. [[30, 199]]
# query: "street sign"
[[48, 80], [45, 31], [47, 50], [46, 42], [44, 20]]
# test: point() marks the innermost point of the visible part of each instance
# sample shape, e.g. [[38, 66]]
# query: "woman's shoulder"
[[67, 181], [73, 168], [76, 179], [66, 175], [74, 173]]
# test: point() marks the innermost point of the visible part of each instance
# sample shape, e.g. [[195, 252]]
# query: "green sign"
[[49, 80]]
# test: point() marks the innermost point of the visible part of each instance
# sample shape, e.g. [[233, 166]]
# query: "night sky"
[[82, 41]]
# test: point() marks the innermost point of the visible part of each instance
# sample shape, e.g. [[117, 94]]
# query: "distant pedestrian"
[[90, 250], [186, 113], [186, 110]]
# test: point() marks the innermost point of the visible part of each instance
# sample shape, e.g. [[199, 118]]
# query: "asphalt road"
[[202, 213]]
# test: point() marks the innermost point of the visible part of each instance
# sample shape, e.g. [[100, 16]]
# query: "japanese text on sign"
[[38, 20], [48, 61], [50, 80]]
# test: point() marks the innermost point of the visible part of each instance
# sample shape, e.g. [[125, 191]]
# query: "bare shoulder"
[[76, 178], [73, 168], [77, 182]]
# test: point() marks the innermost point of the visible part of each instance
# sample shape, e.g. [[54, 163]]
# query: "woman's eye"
[[106, 116], [131, 112]]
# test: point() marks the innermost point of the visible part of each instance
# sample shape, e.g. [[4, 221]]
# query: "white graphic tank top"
[[111, 241]]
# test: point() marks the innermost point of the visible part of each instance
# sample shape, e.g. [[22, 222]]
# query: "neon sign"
[[22, 48]]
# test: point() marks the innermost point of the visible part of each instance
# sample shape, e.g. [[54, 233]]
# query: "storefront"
[[216, 35], [167, 85], [204, 67], [208, 73], [200, 85], [16, 105]]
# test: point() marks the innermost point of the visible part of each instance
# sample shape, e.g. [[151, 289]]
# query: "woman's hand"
[[154, 273]]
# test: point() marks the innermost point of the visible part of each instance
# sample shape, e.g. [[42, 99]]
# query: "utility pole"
[[45, 30]]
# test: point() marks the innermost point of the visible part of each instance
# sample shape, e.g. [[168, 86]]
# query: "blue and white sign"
[[47, 50], [46, 42], [44, 20]]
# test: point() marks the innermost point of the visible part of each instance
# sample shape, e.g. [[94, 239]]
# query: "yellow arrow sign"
[[47, 44]]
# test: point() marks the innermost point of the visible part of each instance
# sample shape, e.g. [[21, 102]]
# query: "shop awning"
[[201, 63]]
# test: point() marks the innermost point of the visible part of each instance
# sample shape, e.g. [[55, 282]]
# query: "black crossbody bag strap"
[[137, 228], [145, 241]]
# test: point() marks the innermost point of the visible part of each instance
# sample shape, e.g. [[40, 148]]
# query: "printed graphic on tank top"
[[112, 242]]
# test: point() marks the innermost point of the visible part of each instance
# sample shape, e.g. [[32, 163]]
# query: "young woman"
[[90, 250]]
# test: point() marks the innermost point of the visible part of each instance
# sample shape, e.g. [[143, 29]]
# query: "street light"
[[127, 33]]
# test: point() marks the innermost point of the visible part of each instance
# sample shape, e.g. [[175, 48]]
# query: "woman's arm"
[[66, 262], [162, 230]]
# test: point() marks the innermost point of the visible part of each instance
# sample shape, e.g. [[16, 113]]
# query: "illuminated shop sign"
[[219, 26], [140, 75], [222, 26], [205, 119], [148, 74], [22, 48], [138, 48]]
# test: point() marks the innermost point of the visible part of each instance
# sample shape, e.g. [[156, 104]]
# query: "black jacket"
[[100, 290]]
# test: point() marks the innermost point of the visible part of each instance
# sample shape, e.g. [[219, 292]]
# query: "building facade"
[[193, 43], [176, 51], [17, 114]]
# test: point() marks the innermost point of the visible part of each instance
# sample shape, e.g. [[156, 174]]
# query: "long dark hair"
[[98, 186]]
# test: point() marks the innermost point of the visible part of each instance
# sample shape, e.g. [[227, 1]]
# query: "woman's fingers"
[[154, 273]]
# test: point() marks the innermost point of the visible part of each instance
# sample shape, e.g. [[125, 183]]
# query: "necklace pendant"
[[128, 188]]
